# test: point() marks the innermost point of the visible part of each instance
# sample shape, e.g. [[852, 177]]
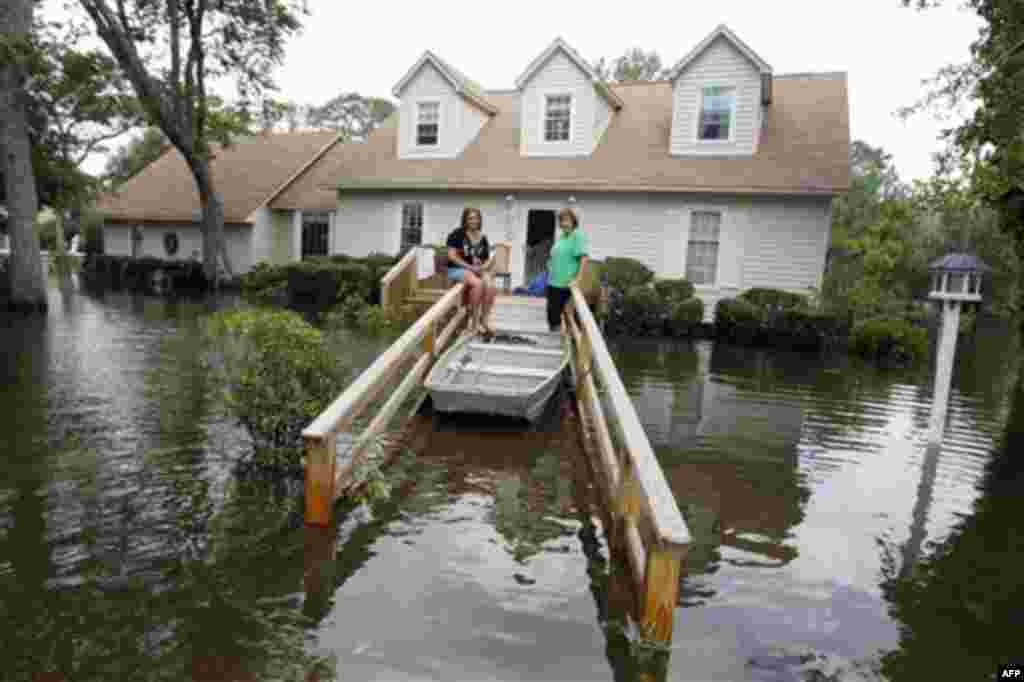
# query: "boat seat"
[[515, 348], [473, 367]]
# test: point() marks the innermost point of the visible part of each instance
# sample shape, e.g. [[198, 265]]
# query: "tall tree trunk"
[[214, 247], [28, 281]]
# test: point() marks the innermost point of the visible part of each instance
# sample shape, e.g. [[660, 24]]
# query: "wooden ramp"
[[645, 525]]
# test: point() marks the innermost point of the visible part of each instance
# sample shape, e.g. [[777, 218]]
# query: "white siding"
[[281, 238], [720, 64], [117, 239], [786, 246], [118, 242], [459, 121], [261, 234], [558, 75], [773, 242]]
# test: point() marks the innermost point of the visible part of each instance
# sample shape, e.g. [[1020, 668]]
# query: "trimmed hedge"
[[624, 273], [141, 274], [685, 317], [319, 282], [890, 341], [674, 290], [774, 298], [779, 319]]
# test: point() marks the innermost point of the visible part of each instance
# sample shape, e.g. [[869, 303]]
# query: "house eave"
[[499, 185]]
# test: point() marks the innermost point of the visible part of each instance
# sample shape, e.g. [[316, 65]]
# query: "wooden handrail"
[[657, 498], [389, 281], [409, 342]]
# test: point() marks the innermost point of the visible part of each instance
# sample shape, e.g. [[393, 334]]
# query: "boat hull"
[[500, 388]]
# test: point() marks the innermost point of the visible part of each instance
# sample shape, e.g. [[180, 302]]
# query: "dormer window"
[[557, 118], [428, 117], [717, 113]]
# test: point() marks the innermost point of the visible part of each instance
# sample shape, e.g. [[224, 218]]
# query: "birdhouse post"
[[956, 279]]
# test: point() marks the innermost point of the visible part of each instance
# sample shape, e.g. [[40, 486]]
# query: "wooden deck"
[[645, 524]]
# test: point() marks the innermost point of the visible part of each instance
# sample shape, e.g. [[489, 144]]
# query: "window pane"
[[315, 233], [426, 134], [716, 113], [702, 248], [557, 118], [412, 226]]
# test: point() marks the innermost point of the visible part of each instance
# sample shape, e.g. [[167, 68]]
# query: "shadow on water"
[[959, 607]]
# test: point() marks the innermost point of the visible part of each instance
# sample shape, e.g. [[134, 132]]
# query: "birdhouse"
[[957, 277]]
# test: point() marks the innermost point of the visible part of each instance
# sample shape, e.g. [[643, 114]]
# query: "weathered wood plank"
[[371, 381], [662, 595], [636, 553], [320, 462], [389, 296], [673, 535]]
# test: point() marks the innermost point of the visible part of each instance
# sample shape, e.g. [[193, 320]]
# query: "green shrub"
[[674, 290], [889, 341], [639, 311], [277, 372], [774, 298], [684, 316], [625, 273], [738, 321], [322, 281]]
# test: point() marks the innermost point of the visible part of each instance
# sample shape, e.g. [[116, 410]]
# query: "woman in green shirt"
[[568, 256]]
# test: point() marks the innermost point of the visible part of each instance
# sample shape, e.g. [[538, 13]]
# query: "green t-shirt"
[[564, 263]]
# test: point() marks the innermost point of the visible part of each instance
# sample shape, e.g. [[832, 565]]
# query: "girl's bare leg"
[[475, 286], [489, 294]]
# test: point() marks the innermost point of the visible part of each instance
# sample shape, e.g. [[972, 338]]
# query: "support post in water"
[[320, 458], [662, 594]]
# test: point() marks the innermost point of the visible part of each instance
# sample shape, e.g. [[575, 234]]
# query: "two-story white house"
[[724, 173]]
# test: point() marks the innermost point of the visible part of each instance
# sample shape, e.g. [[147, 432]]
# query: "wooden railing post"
[[430, 340], [662, 595], [320, 458]]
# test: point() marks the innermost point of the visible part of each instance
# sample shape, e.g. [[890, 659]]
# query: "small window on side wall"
[[428, 119], [702, 247], [717, 112], [412, 226], [557, 118]]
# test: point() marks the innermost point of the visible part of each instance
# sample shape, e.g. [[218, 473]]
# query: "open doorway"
[[540, 237]]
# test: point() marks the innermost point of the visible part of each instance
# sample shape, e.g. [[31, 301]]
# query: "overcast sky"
[[885, 49]]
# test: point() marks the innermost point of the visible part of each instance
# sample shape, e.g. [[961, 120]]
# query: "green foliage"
[[684, 315], [139, 152], [354, 312], [733, 311], [277, 372], [322, 281], [674, 290], [774, 298], [624, 273], [889, 341], [635, 64]]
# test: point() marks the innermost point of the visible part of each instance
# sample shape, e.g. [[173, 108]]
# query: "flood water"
[[830, 542]]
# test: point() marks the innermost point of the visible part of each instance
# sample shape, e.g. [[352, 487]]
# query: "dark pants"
[[557, 298]]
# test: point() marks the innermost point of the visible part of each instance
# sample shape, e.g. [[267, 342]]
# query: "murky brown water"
[[129, 550]]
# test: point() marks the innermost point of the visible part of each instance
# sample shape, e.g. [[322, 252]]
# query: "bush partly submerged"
[[890, 341], [277, 373]]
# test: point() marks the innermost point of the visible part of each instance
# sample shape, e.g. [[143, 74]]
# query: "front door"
[[540, 237]]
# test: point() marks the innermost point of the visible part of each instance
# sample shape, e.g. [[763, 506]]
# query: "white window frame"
[[688, 217], [732, 112], [544, 116], [425, 235], [416, 123]]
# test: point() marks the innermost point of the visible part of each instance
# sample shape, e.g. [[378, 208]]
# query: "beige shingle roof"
[[246, 174], [804, 149]]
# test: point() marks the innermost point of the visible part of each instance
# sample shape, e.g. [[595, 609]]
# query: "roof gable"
[[804, 149], [248, 174], [469, 89], [721, 31], [560, 45]]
